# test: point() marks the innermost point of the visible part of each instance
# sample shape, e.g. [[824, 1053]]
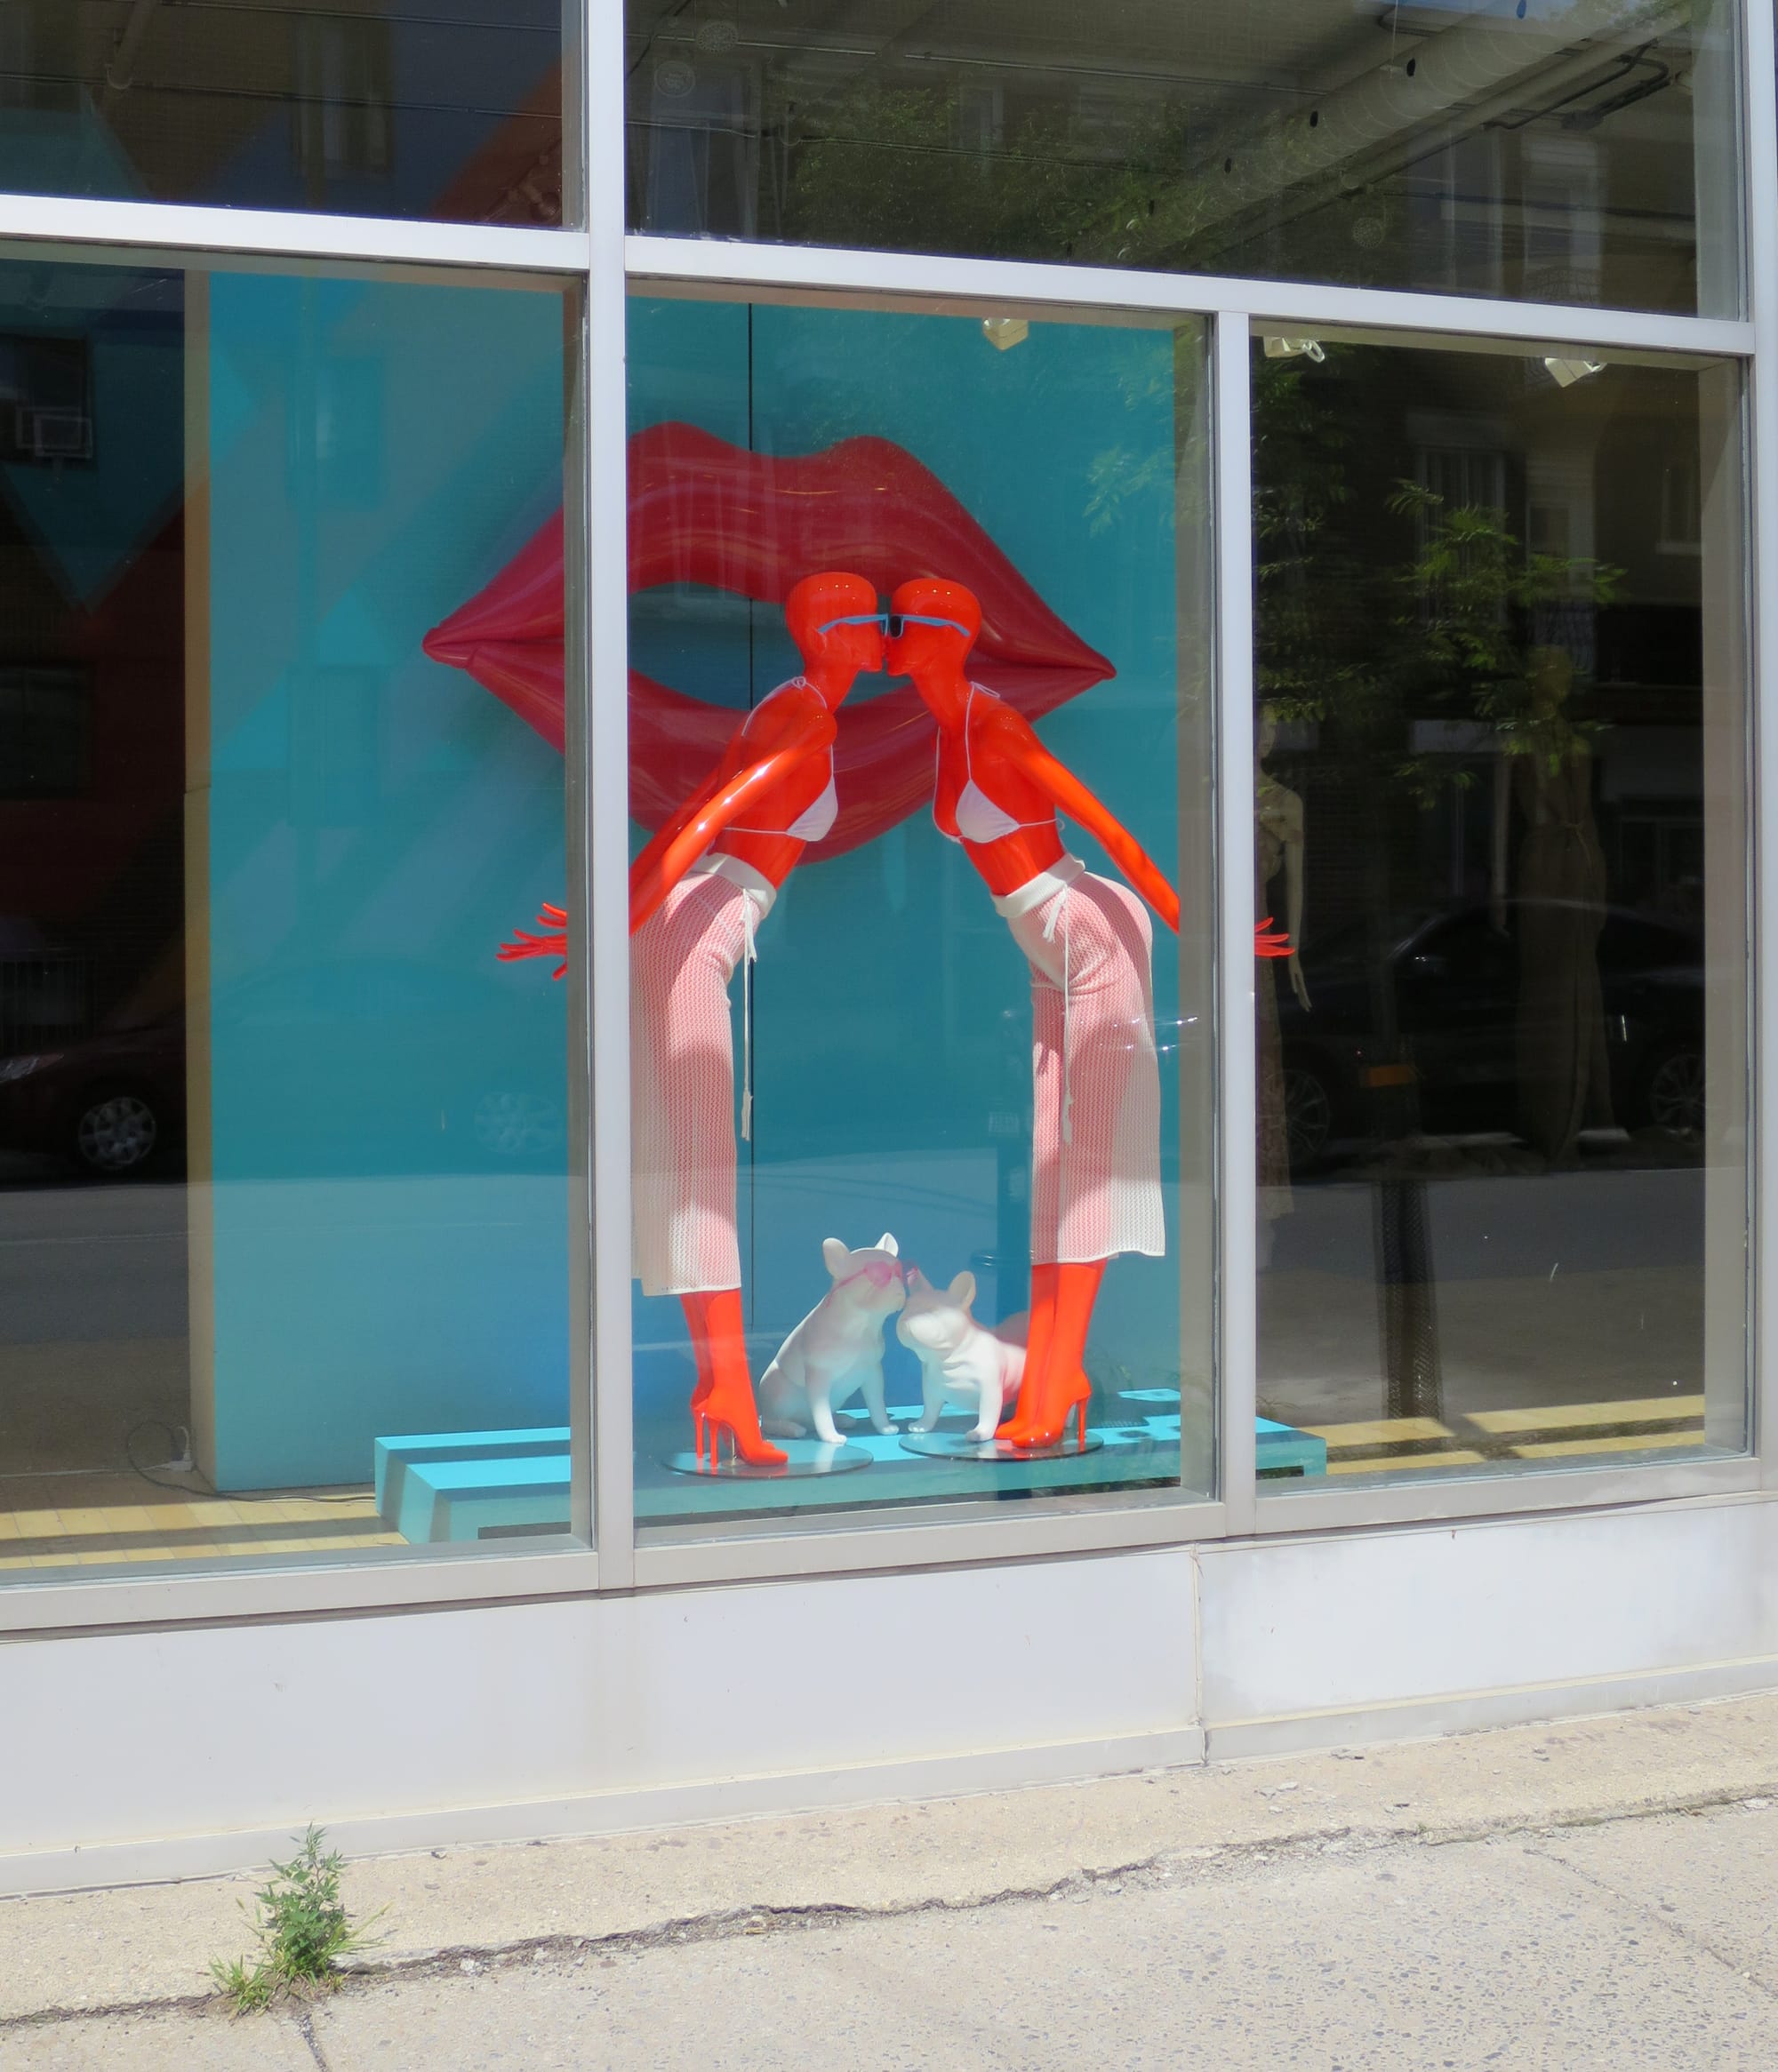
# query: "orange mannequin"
[[774, 775], [997, 793], [774, 769], [992, 768]]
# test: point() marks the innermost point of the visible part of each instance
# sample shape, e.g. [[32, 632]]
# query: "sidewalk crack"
[[305, 2022], [1678, 1931]]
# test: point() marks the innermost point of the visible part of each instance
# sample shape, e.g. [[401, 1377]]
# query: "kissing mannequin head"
[[931, 623], [833, 618]]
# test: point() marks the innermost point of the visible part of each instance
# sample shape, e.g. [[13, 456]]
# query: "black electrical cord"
[[154, 1424]]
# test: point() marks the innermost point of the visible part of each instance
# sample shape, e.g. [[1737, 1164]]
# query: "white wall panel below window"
[[1374, 1636], [589, 1714]]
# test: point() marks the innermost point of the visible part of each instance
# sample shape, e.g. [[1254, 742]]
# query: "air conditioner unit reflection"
[[53, 435], [1294, 349], [1564, 374]]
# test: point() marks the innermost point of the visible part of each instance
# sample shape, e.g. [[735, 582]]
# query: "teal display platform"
[[474, 1485], [1280, 1450]]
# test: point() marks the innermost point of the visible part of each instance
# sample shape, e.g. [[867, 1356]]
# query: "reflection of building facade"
[[1341, 425]]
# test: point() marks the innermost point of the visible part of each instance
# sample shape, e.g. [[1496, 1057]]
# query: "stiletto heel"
[[1051, 1430]]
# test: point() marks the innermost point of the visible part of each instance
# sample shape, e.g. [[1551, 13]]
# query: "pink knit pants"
[[1095, 1079], [682, 1079]]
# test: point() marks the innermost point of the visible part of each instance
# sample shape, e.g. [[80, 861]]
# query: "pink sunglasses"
[[878, 1272]]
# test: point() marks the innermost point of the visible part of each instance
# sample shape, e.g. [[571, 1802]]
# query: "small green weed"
[[303, 1929]]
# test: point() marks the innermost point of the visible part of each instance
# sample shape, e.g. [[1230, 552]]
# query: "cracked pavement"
[[1480, 1901]]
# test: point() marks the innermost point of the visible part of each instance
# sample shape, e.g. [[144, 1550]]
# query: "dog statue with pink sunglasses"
[[836, 1351]]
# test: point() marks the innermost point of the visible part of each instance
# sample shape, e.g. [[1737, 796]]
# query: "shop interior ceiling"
[[1282, 94]]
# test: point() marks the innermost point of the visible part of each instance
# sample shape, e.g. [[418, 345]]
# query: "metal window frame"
[[610, 264]]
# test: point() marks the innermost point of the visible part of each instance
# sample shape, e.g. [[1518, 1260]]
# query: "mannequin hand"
[[1270, 941], [555, 943], [1297, 986]]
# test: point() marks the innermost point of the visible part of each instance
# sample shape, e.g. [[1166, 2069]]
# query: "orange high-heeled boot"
[[1058, 1390], [1037, 1334], [727, 1404], [692, 1305]]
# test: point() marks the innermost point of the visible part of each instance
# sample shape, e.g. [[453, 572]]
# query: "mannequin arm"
[[1073, 798], [674, 825], [663, 863]]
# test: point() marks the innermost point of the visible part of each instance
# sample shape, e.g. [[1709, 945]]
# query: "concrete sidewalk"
[[1601, 1893]]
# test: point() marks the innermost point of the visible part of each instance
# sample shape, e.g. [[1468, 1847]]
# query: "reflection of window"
[[1465, 477], [1561, 198], [341, 120], [979, 120], [45, 398], [1455, 202], [1681, 507], [45, 732], [334, 725], [39, 47], [1469, 475], [701, 148]]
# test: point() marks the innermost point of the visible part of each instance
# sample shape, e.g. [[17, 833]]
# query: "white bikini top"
[[979, 820], [816, 820]]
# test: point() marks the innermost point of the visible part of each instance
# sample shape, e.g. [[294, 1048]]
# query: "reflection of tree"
[[1143, 185], [1371, 632], [1370, 620], [1564, 1076], [865, 167]]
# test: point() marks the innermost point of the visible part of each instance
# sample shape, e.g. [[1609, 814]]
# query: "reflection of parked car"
[[384, 1066], [1455, 995], [114, 1103], [335, 1065]]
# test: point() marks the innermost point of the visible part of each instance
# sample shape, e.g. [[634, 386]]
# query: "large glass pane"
[[284, 1220], [873, 1167], [1553, 150], [1499, 805], [448, 108]]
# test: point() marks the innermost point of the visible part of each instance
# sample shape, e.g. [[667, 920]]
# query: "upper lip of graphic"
[[703, 511]]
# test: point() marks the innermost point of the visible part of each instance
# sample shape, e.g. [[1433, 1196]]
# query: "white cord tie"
[[749, 956]]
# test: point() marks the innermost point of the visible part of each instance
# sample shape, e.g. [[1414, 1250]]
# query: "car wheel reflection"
[[1673, 1092], [1308, 1118], [116, 1135]]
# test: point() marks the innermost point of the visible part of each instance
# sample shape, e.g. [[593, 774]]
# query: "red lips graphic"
[[703, 511]]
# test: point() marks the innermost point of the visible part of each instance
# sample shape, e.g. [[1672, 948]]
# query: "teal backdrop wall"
[[385, 1260]]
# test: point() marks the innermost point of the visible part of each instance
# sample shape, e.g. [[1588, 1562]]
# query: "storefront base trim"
[[1470, 1711], [608, 1813]]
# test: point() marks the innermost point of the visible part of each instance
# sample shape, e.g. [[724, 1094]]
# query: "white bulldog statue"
[[960, 1361], [836, 1351]]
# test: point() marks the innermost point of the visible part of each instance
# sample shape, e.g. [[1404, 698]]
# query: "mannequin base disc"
[[808, 1457], [960, 1446]]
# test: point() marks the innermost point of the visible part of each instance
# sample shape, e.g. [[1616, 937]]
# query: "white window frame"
[[609, 264]]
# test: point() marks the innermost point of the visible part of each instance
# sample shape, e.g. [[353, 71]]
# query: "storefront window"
[[447, 109], [910, 1172], [1498, 806], [1545, 150], [286, 1224]]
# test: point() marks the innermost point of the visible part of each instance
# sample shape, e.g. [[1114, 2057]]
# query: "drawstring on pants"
[[749, 956]]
